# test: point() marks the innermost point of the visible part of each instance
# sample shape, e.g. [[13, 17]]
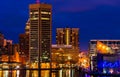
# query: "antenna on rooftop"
[[37, 1]]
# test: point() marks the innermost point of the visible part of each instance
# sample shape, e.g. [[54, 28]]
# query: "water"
[[34, 73], [44, 73]]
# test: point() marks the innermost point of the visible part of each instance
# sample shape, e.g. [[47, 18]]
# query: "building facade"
[[110, 45], [24, 41], [64, 55], [40, 32], [68, 36], [24, 45], [1, 39], [114, 45], [27, 27]]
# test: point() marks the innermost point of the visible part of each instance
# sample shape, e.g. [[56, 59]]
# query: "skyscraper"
[[27, 28], [1, 40], [68, 36], [24, 41], [24, 45], [40, 32]]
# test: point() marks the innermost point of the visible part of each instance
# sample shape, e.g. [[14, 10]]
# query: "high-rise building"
[[24, 45], [68, 36], [24, 41], [27, 28], [40, 32], [1, 40], [15, 56]]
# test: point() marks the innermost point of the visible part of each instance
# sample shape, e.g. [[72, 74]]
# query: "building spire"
[[37, 1]]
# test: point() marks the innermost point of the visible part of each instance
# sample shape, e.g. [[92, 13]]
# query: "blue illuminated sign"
[[107, 64]]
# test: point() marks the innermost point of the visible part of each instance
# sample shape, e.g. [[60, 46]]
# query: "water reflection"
[[44, 73], [34, 73]]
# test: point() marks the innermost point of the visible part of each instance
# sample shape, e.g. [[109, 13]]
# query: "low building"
[[64, 55], [99, 50]]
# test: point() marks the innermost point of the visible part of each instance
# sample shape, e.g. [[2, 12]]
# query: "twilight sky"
[[97, 19]]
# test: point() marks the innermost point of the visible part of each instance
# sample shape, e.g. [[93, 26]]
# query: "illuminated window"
[[33, 39], [35, 12], [30, 12], [45, 57], [34, 18], [31, 47], [45, 12], [45, 18]]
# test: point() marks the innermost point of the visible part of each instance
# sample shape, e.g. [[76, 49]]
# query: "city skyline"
[[60, 38], [96, 19]]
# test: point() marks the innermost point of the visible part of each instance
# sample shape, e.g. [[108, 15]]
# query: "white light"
[[17, 67], [18, 73], [5, 74], [111, 71]]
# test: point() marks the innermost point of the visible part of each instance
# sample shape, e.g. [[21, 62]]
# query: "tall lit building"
[[40, 32], [27, 28], [1, 39], [68, 36], [24, 44], [24, 41]]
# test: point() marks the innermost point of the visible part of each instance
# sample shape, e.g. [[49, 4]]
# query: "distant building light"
[[45, 12], [34, 18], [17, 67], [61, 46], [45, 18], [35, 12]]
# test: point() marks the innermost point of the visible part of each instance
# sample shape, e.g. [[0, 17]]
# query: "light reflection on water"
[[45, 73], [34, 73]]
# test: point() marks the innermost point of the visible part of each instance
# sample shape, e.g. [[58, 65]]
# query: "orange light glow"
[[102, 48], [16, 56]]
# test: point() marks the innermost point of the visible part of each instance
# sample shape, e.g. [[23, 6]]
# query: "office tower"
[[24, 45], [27, 28], [16, 56], [68, 36], [24, 41], [15, 48], [1, 40], [9, 46], [40, 32]]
